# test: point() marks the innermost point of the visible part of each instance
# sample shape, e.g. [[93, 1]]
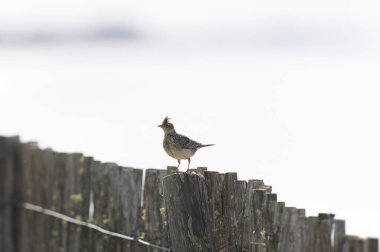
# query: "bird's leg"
[[179, 162], [188, 166]]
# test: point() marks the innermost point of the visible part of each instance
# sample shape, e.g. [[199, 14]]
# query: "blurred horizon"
[[345, 26]]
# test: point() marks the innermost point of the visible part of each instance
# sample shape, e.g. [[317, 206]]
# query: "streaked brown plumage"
[[178, 146]]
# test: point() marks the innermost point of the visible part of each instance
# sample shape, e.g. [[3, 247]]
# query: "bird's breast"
[[174, 151]]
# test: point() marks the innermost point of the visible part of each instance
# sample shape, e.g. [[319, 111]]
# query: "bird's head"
[[166, 126]]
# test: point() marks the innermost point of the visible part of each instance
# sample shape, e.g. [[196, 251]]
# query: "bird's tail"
[[205, 145]]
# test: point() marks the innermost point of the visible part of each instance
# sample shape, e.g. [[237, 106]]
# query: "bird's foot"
[[188, 171], [177, 170]]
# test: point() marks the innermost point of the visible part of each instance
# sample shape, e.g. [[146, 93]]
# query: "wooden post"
[[100, 182], [76, 198], [339, 235], [259, 232], [215, 193], [6, 195], [55, 171], [8, 162], [187, 208], [238, 217], [60, 170], [279, 213], [27, 189], [86, 234], [300, 234], [248, 228], [288, 229], [107, 198], [131, 191], [319, 233], [251, 208], [371, 245], [153, 219], [272, 222], [114, 213], [48, 164], [353, 244], [228, 206], [38, 182]]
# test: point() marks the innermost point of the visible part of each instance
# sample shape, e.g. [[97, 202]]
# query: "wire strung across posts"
[[66, 218]]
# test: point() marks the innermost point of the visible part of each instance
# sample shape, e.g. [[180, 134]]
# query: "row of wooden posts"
[[155, 210]]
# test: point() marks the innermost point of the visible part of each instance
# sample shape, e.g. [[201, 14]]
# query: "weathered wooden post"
[[27, 191], [103, 204], [131, 183], [371, 245], [7, 164], [339, 235], [353, 244], [38, 182], [272, 222], [187, 208], [252, 219], [258, 203], [55, 170], [153, 222], [228, 206], [239, 189], [319, 233], [215, 194], [288, 230], [85, 239]]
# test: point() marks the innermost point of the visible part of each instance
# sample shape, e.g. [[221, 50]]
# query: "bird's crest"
[[166, 120]]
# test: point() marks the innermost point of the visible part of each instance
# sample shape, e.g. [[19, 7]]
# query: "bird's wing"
[[185, 142]]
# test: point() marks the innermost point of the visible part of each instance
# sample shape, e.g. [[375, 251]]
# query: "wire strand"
[[66, 218]]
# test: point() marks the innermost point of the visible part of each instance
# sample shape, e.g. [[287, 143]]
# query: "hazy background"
[[287, 90]]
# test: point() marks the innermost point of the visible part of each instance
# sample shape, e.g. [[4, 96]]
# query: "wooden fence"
[[63, 202]]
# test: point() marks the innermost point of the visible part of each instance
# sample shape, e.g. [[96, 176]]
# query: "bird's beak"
[[159, 126]]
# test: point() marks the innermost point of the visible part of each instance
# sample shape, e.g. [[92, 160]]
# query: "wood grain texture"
[[187, 208], [8, 162], [153, 226]]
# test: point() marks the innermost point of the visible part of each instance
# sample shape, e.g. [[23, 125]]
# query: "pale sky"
[[288, 92]]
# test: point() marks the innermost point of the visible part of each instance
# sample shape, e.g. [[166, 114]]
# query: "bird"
[[178, 146]]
